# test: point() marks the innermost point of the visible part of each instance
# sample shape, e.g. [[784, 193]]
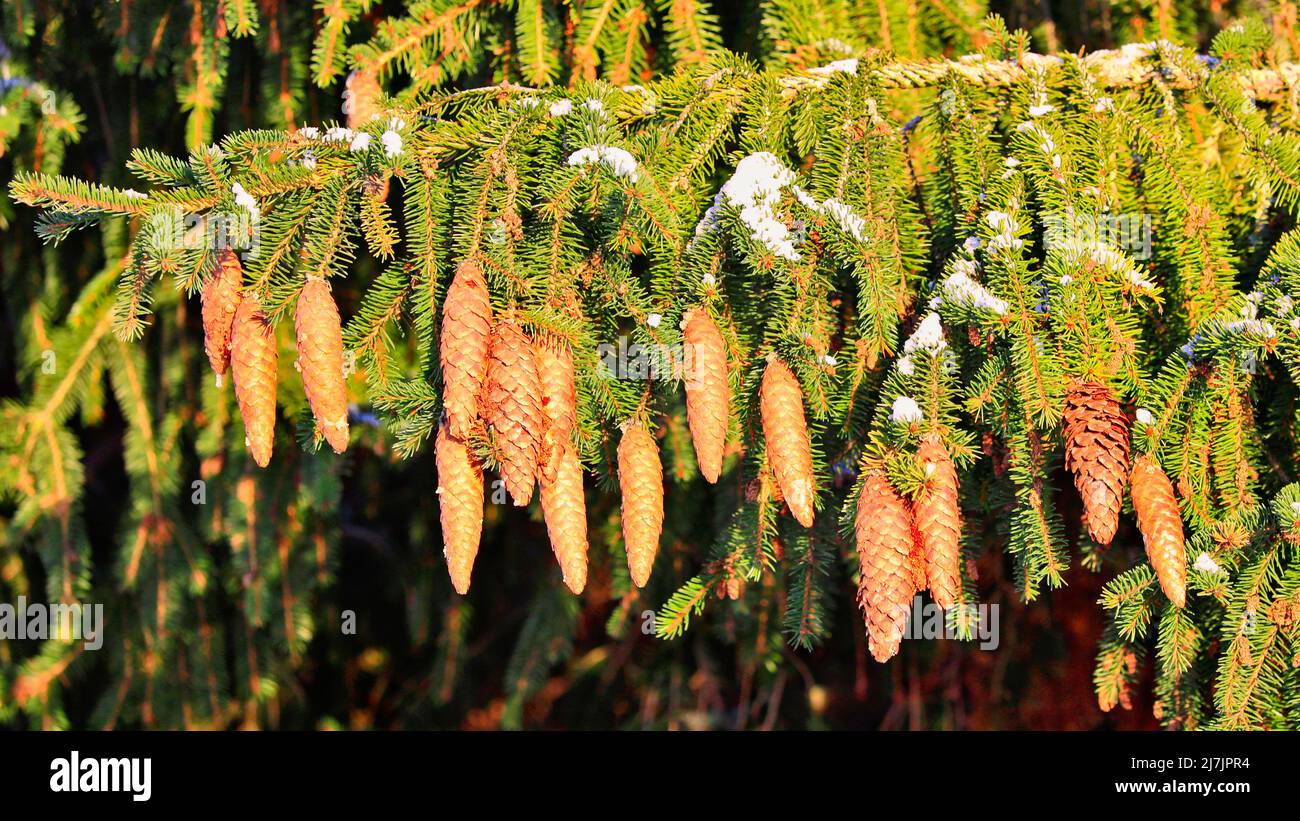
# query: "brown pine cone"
[[564, 506], [559, 399], [253, 357], [220, 301], [788, 445], [1162, 527], [1096, 452], [320, 360], [513, 407], [883, 527], [938, 521], [641, 481], [361, 98], [463, 347], [708, 396], [460, 505]]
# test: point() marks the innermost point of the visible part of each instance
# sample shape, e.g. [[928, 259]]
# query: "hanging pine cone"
[[641, 481], [253, 358], [220, 301], [938, 521], [564, 506], [883, 527], [559, 399], [361, 98], [1096, 452], [708, 396], [320, 360], [1162, 527], [788, 445], [463, 348], [513, 408], [460, 505]]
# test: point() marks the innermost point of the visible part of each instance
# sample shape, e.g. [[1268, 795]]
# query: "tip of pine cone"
[[1103, 533], [640, 573], [460, 582], [882, 654], [576, 579], [337, 436]]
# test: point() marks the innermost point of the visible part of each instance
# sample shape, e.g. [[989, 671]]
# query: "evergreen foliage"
[[936, 244]]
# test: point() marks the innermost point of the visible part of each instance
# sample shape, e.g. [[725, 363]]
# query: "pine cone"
[[708, 396], [938, 522], [320, 360], [361, 98], [513, 408], [564, 506], [463, 348], [641, 481], [559, 400], [788, 444], [1162, 527], [220, 301], [460, 505], [253, 357], [883, 527], [1096, 452]]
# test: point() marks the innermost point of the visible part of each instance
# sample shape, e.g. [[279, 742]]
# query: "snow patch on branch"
[[755, 190], [927, 337], [245, 200], [1006, 226], [617, 160], [1114, 261], [962, 290], [847, 66], [847, 218], [905, 411], [1205, 564]]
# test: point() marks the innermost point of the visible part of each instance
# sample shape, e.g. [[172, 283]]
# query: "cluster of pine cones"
[[1097, 453], [499, 380], [496, 379], [239, 337], [906, 547]]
